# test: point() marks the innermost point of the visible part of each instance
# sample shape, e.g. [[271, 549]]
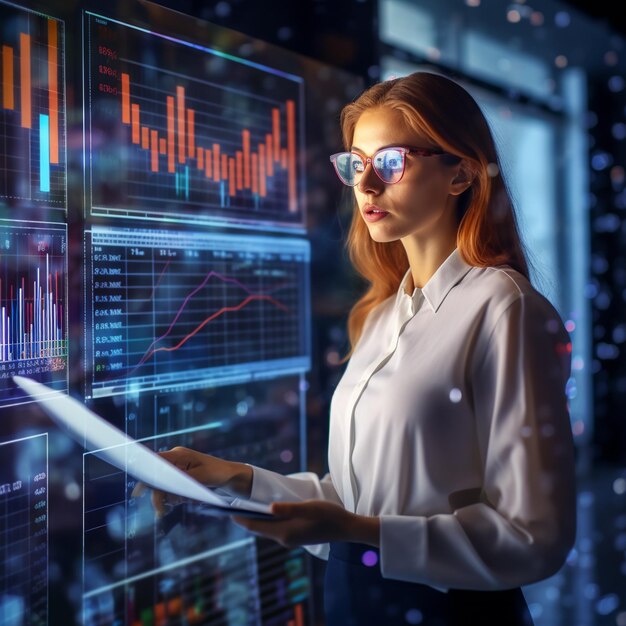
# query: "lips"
[[372, 213]]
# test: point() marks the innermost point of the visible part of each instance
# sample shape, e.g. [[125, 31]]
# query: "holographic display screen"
[[157, 216]]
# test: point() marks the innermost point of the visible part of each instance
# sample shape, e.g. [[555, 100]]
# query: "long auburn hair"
[[487, 234]]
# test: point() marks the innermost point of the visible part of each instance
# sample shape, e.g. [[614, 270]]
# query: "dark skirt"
[[355, 594]]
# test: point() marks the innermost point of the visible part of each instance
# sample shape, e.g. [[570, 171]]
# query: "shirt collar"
[[447, 275]]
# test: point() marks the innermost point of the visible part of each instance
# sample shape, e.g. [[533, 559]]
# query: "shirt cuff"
[[264, 487], [404, 549], [320, 550]]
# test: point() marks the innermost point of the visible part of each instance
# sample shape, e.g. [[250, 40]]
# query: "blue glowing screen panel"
[[32, 111], [179, 131], [33, 307], [24, 530], [155, 263], [185, 309]]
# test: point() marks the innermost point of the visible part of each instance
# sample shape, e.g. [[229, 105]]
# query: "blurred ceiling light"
[[536, 18], [561, 61], [513, 16], [562, 19]]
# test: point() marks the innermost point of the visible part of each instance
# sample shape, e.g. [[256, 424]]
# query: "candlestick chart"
[[32, 110], [219, 145]]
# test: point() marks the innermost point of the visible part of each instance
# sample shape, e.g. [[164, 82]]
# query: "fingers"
[[284, 509], [180, 457], [257, 527], [138, 490], [158, 502], [161, 500], [294, 509], [240, 521]]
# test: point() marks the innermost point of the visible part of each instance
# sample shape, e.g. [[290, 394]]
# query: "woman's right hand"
[[236, 478]]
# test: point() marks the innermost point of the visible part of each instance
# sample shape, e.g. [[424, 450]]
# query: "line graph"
[[154, 347], [190, 148], [32, 109], [33, 328], [178, 310]]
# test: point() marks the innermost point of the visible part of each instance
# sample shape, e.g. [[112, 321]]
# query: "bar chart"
[[33, 329], [32, 109], [195, 148]]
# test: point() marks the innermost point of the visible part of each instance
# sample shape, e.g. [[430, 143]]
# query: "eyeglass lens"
[[387, 163]]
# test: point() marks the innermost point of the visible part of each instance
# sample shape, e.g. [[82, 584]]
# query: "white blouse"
[[450, 423]]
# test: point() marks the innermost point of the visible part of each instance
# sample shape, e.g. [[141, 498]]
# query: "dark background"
[[344, 33]]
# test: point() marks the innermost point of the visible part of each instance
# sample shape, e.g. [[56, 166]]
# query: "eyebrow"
[[389, 145]]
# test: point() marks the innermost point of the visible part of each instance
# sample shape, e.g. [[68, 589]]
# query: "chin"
[[382, 237]]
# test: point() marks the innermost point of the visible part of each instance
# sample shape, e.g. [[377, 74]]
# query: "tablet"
[[117, 448]]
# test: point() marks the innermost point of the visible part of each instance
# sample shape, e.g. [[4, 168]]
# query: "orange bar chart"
[[227, 154], [180, 109], [190, 133], [53, 90], [25, 91], [170, 134], [125, 98], [8, 97], [134, 116], [246, 158], [32, 108], [291, 154]]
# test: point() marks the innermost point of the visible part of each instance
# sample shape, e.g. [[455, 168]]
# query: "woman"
[[451, 476]]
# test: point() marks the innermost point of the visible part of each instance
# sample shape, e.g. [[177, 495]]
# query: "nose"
[[369, 181]]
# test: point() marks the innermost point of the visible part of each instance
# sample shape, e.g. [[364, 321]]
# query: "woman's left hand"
[[311, 522]]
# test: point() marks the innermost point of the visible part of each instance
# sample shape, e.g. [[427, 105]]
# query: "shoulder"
[[503, 298], [500, 285], [496, 289]]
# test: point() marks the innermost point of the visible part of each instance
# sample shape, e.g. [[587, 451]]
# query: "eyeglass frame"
[[367, 160]]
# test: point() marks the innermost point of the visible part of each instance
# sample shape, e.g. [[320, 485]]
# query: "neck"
[[425, 257]]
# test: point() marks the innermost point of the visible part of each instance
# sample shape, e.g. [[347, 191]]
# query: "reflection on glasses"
[[388, 163]]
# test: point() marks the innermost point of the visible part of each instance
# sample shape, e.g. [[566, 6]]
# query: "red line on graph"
[[159, 280], [226, 279], [200, 326]]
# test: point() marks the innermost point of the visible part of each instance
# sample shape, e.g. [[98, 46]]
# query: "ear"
[[463, 178]]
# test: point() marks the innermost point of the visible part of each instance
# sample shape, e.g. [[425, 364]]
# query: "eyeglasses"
[[388, 163]]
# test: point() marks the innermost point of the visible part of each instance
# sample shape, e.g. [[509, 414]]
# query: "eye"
[[357, 165]]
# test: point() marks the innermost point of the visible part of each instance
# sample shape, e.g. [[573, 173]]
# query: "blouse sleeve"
[[268, 486], [524, 523]]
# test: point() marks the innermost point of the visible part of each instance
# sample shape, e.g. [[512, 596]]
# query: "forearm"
[[240, 480], [363, 529]]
